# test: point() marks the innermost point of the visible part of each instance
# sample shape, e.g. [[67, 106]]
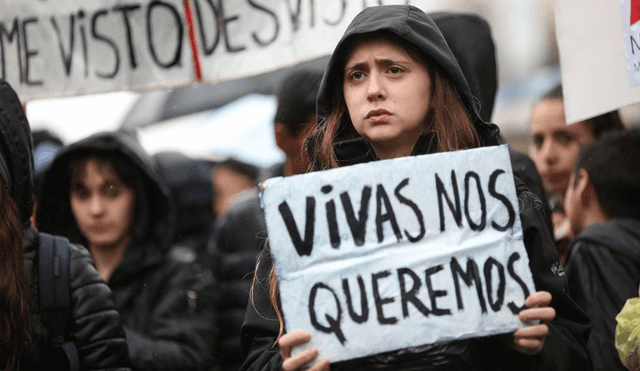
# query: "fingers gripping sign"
[[288, 341], [530, 340]]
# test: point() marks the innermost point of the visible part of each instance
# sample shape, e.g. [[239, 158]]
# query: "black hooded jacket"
[[603, 268], [166, 302], [564, 348], [93, 325]]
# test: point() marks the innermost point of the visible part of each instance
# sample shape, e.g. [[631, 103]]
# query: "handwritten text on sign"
[[70, 47], [398, 253]]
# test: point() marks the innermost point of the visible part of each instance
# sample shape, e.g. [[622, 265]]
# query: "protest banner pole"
[[188, 15]]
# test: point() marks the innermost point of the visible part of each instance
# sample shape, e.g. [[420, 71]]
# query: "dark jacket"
[[564, 348], [603, 268], [166, 300], [101, 345], [93, 324], [238, 236]]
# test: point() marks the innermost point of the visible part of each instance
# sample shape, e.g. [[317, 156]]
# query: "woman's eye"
[[356, 75], [564, 138], [394, 70], [537, 141], [80, 194], [112, 191]]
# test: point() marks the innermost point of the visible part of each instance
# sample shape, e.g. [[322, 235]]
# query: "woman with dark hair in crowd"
[[392, 89], [104, 191]]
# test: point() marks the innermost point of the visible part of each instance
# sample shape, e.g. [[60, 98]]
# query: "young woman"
[[103, 191], [393, 88], [93, 324]]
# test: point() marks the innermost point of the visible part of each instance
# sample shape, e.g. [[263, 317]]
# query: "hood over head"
[[414, 26], [153, 219], [16, 158], [469, 37]]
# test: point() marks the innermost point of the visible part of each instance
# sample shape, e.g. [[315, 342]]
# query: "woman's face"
[[555, 146], [388, 94], [102, 205]]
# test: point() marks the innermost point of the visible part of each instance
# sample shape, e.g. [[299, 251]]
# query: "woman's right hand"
[[288, 341]]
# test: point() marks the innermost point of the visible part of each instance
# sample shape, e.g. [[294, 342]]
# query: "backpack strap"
[[55, 296]]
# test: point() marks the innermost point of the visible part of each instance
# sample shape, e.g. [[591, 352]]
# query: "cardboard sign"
[[398, 253], [600, 64]]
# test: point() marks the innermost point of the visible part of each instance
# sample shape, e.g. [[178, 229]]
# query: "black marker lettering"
[[381, 301], [488, 265], [455, 210], [334, 323], [28, 53], [303, 247], [434, 294], [483, 204], [357, 225], [388, 216], [415, 209], [332, 219], [177, 54], [512, 272], [364, 303], [67, 56], [502, 198], [410, 296], [275, 22], [125, 10], [83, 40], [225, 24], [340, 17], [15, 32], [111, 43], [471, 276], [208, 46]]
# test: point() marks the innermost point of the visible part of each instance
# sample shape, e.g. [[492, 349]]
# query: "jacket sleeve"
[[261, 326], [182, 323], [565, 347], [95, 323]]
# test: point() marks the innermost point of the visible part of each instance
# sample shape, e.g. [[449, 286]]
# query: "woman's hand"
[[529, 340], [288, 341]]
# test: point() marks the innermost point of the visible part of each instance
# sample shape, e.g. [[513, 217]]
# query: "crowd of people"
[[163, 262]]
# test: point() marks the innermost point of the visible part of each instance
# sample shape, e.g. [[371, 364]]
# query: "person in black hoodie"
[[603, 261], [103, 191], [93, 323], [363, 116]]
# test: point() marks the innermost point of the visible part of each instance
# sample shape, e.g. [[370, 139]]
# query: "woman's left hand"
[[529, 340]]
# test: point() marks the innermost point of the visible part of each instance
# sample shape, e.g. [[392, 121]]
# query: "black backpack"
[[55, 297]]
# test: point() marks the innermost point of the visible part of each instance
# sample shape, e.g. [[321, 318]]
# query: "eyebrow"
[[381, 61]]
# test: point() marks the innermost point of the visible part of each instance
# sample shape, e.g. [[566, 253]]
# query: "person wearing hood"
[[93, 323], [393, 88], [603, 261], [103, 191]]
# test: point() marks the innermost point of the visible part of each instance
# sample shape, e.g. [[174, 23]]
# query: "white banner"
[[51, 48], [599, 43], [398, 253]]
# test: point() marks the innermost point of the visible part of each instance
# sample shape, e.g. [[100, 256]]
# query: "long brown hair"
[[13, 278], [448, 119]]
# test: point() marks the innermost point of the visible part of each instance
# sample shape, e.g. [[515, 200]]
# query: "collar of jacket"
[[359, 150]]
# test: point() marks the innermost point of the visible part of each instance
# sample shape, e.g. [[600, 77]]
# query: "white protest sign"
[[599, 44], [51, 48], [398, 253]]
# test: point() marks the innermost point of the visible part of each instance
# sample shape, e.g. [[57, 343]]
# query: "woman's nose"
[[549, 151], [375, 89], [95, 205]]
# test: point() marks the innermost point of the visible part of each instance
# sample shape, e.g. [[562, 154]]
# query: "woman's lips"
[[378, 115]]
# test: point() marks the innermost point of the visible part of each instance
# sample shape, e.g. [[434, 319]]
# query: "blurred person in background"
[[230, 177], [93, 324], [46, 146], [103, 191], [555, 146], [602, 204], [189, 181], [240, 232]]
